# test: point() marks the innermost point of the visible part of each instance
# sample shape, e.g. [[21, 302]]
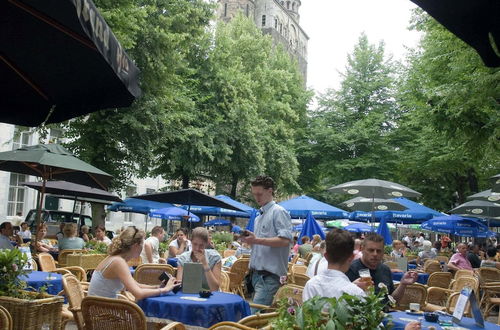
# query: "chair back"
[[414, 293], [46, 261], [61, 259], [464, 281], [463, 272], [228, 253], [108, 313], [391, 264], [149, 273], [410, 258], [432, 266], [290, 291], [227, 325], [5, 319], [298, 279], [442, 259], [174, 326], [224, 282], [78, 271], [135, 262], [308, 258], [258, 321], [488, 274], [299, 269], [74, 292], [237, 274], [295, 258], [439, 279], [452, 302]]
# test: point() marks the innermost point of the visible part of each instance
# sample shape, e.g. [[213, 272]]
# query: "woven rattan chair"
[[414, 293], [488, 274], [228, 253], [106, 313], [149, 273], [491, 297], [463, 272], [410, 258], [226, 325], [74, 292], [47, 264], [391, 264], [437, 298], [439, 280], [5, 319], [308, 258], [442, 259], [61, 259], [290, 291], [432, 266], [134, 262], [237, 274], [298, 279], [174, 326], [299, 269], [259, 320], [224, 282]]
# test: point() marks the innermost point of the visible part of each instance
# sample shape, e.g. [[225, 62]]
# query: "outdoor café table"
[[219, 307], [37, 279], [422, 277], [400, 319]]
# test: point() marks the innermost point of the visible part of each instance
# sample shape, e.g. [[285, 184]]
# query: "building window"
[[150, 191], [21, 138], [130, 191], [276, 23], [55, 135], [263, 20], [15, 203], [288, 5], [281, 27], [225, 10], [247, 10]]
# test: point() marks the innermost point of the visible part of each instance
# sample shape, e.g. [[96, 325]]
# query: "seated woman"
[[112, 275], [180, 244], [25, 232], [85, 234], [490, 259], [398, 249], [209, 258], [426, 253], [43, 244], [100, 235], [70, 241]]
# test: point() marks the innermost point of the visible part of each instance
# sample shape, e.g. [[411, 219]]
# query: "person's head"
[[263, 188], [6, 229], [100, 232], [158, 232], [295, 239], [427, 245], [422, 235], [339, 248], [85, 229], [462, 249], [24, 226], [69, 230], [182, 234], [357, 244], [129, 242], [396, 245], [491, 252], [316, 239], [437, 245], [199, 239], [373, 250], [305, 239], [474, 248], [41, 231]]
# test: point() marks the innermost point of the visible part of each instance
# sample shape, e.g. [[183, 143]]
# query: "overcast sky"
[[334, 26]]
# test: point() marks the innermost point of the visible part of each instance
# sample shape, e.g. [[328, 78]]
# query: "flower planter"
[[33, 314]]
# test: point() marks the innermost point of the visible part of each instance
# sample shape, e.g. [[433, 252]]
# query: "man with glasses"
[[270, 242]]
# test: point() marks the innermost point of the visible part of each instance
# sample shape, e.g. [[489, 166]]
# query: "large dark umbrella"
[[374, 188], [477, 208], [370, 204], [486, 195], [496, 183], [476, 22], [60, 56]]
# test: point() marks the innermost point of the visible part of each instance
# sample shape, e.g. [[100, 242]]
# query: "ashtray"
[[205, 294], [431, 317]]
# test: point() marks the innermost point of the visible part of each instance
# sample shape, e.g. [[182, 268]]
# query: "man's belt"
[[263, 272]]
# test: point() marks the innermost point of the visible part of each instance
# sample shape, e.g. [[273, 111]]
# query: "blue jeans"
[[265, 287]]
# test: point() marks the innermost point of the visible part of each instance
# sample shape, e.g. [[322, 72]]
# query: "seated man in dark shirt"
[[373, 253], [473, 256]]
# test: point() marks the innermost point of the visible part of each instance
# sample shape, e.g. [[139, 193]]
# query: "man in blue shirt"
[[270, 242], [6, 232]]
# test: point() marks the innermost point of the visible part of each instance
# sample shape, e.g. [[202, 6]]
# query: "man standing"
[[373, 253], [6, 231], [150, 253], [270, 242], [459, 260]]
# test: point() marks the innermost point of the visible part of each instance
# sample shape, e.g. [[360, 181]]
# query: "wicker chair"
[[226, 325], [490, 298], [299, 269], [259, 320], [61, 260], [290, 291], [224, 282], [174, 326], [391, 264], [463, 272], [134, 262], [439, 280], [74, 293], [228, 253], [308, 258], [47, 264], [432, 266], [5, 319], [410, 258], [414, 293], [237, 274], [437, 298], [298, 279], [488, 274], [106, 313], [442, 259], [149, 273]]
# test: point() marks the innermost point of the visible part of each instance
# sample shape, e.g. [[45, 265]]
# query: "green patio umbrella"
[[334, 223], [52, 162]]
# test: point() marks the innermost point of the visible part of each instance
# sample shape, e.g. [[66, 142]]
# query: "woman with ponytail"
[[112, 275]]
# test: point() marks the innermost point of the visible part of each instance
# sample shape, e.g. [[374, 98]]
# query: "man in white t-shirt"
[[150, 253], [333, 282], [421, 239]]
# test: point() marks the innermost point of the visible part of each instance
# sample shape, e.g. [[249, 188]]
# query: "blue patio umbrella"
[[358, 228], [137, 206], [236, 229], [251, 221], [299, 207], [457, 225], [297, 228], [383, 230], [310, 228], [173, 214], [222, 212], [218, 222]]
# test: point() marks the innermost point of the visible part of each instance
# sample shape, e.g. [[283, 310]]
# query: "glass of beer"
[[365, 276]]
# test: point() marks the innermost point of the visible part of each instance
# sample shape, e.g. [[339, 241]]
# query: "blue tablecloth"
[[172, 262], [38, 279], [219, 307], [422, 277], [400, 319], [412, 266]]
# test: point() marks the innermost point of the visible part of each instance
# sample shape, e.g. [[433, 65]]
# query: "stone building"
[[280, 19]]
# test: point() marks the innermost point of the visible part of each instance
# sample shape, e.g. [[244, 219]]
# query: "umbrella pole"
[[39, 211], [146, 226]]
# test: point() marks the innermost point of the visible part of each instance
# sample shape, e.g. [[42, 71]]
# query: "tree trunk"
[[185, 181], [234, 185], [98, 214], [472, 177]]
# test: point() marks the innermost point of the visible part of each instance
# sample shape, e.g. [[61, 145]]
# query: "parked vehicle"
[[54, 218]]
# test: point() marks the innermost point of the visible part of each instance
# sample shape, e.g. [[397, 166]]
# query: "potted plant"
[[29, 310]]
